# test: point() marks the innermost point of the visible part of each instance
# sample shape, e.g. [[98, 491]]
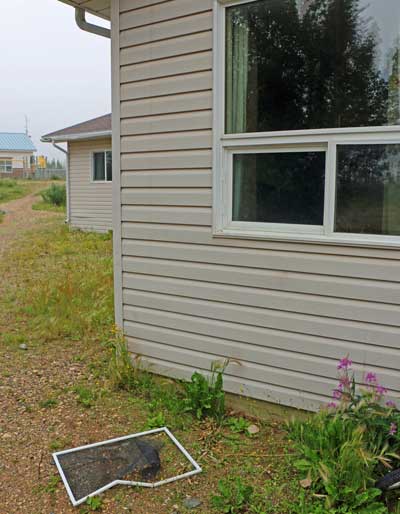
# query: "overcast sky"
[[51, 71]]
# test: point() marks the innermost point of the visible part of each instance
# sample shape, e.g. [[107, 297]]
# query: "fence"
[[47, 174]]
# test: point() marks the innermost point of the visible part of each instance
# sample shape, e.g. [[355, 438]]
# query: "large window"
[[6, 166], [102, 167], [308, 119]]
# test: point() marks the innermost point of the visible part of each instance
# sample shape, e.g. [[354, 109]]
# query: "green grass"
[[13, 189], [53, 199], [44, 206], [70, 293]]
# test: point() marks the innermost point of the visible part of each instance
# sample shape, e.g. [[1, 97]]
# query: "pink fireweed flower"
[[380, 390], [370, 378], [345, 381], [393, 429], [390, 404], [337, 394], [345, 363], [332, 405]]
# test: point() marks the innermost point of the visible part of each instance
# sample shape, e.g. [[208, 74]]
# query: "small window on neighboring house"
[[307, 139], [102, 166], [6, 166]]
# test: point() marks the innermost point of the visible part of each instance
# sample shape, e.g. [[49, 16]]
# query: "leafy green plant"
[[85, 396], [205, 396], [347, 446], [234, 496], [335, 461], [94, 503], [52, 483], [238, 425], [156, 421], [56, 195]]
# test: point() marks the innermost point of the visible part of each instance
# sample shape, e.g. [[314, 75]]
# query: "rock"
[[23, 346], [306, 483], [253, 429], [192, 503]]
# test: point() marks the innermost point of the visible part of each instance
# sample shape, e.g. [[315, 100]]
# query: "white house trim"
[[227, 145]]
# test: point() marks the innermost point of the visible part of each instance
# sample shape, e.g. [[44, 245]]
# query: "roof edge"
[[87, 9], [2, 150], [76, 137]]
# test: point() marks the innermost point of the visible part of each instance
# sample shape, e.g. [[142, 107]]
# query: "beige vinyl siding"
[[90, 202], [285, 311]]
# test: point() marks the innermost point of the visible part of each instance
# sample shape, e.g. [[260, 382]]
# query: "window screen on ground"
[[312, 64], [285, 187], [368, 189]]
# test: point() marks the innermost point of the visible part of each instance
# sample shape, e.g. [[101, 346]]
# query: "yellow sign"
[[42, 162]]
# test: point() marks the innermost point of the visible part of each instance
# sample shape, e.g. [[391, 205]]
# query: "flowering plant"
[[345, 448], [367, 404]]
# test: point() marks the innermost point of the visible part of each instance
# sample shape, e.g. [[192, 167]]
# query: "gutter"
[[76, 137], [80, 18]]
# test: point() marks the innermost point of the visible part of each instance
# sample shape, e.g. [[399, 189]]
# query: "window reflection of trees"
[[314, 64]]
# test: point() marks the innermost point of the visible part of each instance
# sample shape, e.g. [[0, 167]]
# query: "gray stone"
[[192, 503], [23, 346]]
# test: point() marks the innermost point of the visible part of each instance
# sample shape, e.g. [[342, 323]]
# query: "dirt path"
[[20, 217]]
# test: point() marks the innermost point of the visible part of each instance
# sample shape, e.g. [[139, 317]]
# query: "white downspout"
[[80, 18], [67, 183]]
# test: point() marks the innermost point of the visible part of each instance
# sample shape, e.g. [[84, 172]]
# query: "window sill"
[[354, 240]]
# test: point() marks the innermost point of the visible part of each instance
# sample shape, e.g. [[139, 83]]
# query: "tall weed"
[[205, 396]]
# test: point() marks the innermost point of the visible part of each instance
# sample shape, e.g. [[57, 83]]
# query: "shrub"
[[205, 396], [347, 446], [55, 195]]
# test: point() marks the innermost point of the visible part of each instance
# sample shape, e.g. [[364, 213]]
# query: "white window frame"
[[6, 165], [92, 179], [226, 145]]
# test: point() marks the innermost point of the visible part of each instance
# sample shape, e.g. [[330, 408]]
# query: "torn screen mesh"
[[92, 468]]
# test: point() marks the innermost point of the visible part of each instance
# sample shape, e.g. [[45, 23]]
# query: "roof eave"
[[76, 137], [100, 14], [15, 150]]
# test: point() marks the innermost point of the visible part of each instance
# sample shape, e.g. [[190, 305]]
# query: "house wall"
[[285, 311], [90, 202], [20, 162]]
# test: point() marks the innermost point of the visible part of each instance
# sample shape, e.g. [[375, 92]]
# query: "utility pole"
[[26, 125]]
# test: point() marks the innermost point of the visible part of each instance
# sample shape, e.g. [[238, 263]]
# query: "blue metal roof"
[[16, 142]]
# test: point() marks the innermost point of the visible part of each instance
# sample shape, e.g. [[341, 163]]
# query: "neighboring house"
[[256, 216], [16, 153], [89, 174]]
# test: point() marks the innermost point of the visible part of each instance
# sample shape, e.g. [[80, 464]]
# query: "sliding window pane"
[[368, 189], [286, 187], [312, 64], [99, 173], [109, 166]]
